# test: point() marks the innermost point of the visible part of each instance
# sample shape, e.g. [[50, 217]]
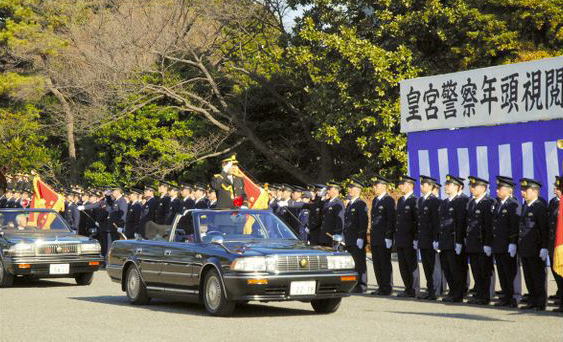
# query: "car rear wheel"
[[135, 288], [6, 279], [325, 306], [214, 297], [84, 279]]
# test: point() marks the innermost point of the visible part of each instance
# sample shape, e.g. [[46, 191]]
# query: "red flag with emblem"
[[558, 248], [44, 197]]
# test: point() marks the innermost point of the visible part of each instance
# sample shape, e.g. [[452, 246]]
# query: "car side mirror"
[[337, 238], [217, 240]]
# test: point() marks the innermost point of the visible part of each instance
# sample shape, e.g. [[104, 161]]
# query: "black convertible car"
[[38, 243], [225, 257]]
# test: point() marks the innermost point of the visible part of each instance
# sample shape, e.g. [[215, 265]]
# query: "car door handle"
[[167, 252], [139, 251]]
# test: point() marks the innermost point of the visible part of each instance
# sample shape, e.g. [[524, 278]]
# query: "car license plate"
[[302, 288], [59, 269]]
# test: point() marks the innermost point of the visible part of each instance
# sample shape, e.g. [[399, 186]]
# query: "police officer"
[[407, 222], [164, 200], [479, 239], [212, 197], [333, 215], [553, 210], [315, 207], [134, 212], [382, 228], [187, 198], [505, 218], [149, 208], [532, 243], [427, 232], [201, 202], [355, 231], [176, 204], [303, 216], [228, 185], [451, 238]]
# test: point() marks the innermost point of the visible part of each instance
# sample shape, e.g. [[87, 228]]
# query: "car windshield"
[[236, 226], [32, 221]]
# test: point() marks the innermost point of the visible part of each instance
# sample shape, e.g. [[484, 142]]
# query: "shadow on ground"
[[242, 310]]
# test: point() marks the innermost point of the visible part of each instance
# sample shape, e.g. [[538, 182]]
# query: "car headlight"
[[254, 264], [90, 248], [22, 249], [340, 262]]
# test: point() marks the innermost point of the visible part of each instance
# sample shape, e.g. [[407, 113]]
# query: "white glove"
[[388, 243], [307, 230], [543, 254], [512, 250], [487, 250], [458, 247], [360, 243], [436, 245], [81, 207], [227, 167], [282, 204], [120, 230], [415, 244]]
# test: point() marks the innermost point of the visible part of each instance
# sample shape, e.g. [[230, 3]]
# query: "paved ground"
[[60, 311]]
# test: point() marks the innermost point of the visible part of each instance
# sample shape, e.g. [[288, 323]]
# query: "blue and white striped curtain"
[[515, 150]]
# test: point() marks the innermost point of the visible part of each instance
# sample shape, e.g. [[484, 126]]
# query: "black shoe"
[[381, 293], [502, 303], [552, 297], [428, 296], [452, 300], [528, 307], [406, 294], [358, 289], [540, 308], [560, 309], [477, 301]]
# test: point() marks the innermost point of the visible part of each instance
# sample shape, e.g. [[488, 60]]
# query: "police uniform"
[[478, 242], [176, 208], [505, 220], [315, 216], [332, 219], [133, 221], [428, 232], [407, 222], [228, 187], [381, 233], [163, 210], [532, 246], [149, 212], [355, 235]]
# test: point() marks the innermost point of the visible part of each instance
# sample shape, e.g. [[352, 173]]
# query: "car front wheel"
[[6, 279], [84, 279], [214, 297], [135, 288], [325, 306]]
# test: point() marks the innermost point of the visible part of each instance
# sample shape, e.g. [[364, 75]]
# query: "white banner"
[[528, 91]]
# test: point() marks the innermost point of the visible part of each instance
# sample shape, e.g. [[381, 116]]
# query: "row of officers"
[[459, 233], [115, 213]]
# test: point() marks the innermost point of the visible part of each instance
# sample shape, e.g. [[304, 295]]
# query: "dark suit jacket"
[[552, 213], [452, 222], [505, 222], [533, 229], [407, 221], [133, 222], [333, 220], [428, 221], [355, 222], [163, 209], [383, 219], [226, 190], [479, 231]]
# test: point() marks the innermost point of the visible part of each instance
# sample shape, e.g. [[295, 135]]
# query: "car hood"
[[260, 248], [51, 237]]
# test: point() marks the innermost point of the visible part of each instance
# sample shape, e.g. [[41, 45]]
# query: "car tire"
[[135, 287], [6, 279], [84, 279], [326, 306], [214, 298]]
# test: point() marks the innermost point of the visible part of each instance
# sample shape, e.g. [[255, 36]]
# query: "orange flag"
[[44, 198], [558, 252], [257, 199]]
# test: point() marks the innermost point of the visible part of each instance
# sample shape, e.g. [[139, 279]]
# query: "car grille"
[[295, 263], [58, 249]]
